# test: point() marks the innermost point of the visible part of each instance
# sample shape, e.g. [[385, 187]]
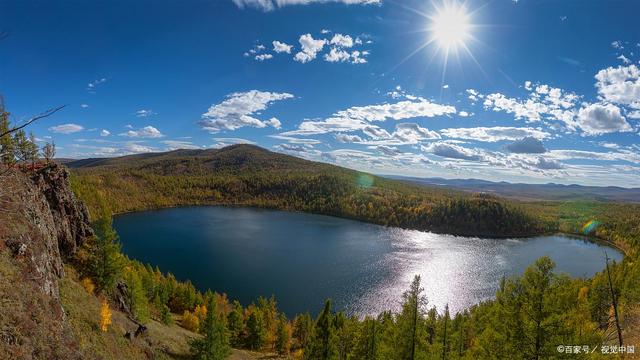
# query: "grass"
[[83, 315]]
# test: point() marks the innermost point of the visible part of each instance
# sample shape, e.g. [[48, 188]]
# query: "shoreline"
[[593, 239]]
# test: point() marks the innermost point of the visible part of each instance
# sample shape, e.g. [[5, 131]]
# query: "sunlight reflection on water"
[[303, 259]]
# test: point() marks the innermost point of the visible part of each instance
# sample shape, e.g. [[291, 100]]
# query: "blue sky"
[[520, 91]]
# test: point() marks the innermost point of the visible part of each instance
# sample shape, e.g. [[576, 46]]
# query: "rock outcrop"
[[41, 225], [42, 222]]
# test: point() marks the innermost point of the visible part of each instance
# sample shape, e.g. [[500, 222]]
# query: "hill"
[[247, 175], [549, 191]]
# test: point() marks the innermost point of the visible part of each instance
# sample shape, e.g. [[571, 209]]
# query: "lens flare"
[[590, 227]]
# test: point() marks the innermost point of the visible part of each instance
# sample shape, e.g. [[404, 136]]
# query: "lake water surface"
[[303, 259]]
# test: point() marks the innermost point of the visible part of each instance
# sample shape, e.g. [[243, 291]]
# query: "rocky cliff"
[[41, 225]]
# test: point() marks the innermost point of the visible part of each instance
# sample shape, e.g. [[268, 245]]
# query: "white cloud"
[[226, 141], [544, 103], [596, 119], [269, 5], [617, 45], [145, 132], [336, 55], [280, 47], [144, 113], [624, 59], [91, 87], [105, 132], [66, 128], [620, 85], [360, 117], [310, 48], [493, 134], [295, 140], [463, 114], [84, 106], [238, 110], [346, 138], [410, 133], [274, 122], [342, 40], [178, 144], [263, 57]]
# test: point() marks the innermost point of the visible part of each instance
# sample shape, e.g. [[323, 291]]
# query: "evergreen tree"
[[409, 337], [323, 346], [106, 261], [32, 149], [283, 335], [214, 345], [49, 151], [235, 323], [136, 298], [7, 148], [20, 145], [256, 329], [302, 330], [165, 315], [538, 308]]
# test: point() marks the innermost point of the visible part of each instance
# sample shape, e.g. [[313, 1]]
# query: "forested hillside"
[[252, 176]]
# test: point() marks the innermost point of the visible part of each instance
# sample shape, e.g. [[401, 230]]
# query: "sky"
[[521, 91]]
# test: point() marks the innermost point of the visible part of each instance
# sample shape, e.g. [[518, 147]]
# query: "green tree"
[[256, 329], [302, 330], [283, 335], [410, 334], [214, 344], [106, 261], [7, 148], [32, 149], [136, 297], [235, 323], [537, 308], [49, 151], [165, 315], [20, 145], [323, 346]]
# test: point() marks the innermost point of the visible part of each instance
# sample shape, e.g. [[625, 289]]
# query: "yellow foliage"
[[582, 294], [88, 285], [105, 316], [190, 321], [200, 312]]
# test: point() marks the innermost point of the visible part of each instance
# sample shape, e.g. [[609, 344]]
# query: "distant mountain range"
[[549, 191]]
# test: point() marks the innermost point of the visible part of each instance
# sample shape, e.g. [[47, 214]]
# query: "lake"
[[303, 259]]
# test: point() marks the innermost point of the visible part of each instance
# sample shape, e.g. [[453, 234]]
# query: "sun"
[[450, 26]]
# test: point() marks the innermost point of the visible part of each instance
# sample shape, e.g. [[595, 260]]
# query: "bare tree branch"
[[33, 119]]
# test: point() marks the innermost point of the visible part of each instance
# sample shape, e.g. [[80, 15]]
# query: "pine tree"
[[235, 323], [20, 145], [302, 330], [49, 151], [214, 345], [32, 149], [106, 261], [283, 335], [256, 329], [322, 346], [136, 297], [537, 307], [7, 148], [409, 322]]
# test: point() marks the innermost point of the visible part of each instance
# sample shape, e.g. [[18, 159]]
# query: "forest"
[[531, 316], [539, 315], [245, 175]]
